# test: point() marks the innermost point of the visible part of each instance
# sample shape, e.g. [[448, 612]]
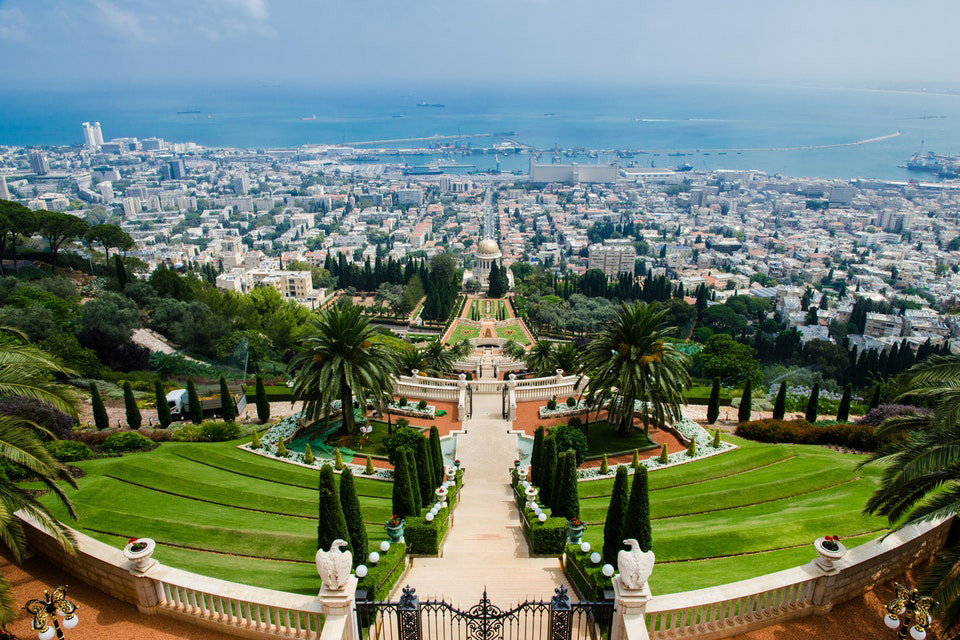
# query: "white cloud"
[[256, 9], [13, 25], [125, 23]]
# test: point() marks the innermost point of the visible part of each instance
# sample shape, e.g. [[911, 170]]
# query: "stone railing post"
[[829, 564], [512, 396], [339, 611], [631, 593], [462, 397], [140, 564]]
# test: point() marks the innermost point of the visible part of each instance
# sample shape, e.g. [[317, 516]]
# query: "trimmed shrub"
[[664, 456], [549, 537], [414, 481], [369, 470], [436, 455], [568, 437], [57, 422], [402, 498], [843, 411], [255, 443], [713, 405], [551, 404], [401, 402], [548, 469], [308, 454], [227, 409], [403, 437], [780, 404], [353, 517], [424, 471], [216, 431], [263, 404], [746, 403], [635, 463], [100, 417], [575, 421], [636, 521], [134, 419], [331, 525], [535, 455], [716, 438], [337, 459], [68, 450], [124, 441], [281, 448], [571, 402], [861, 437], [604, 467], [613, 526], [195, 409], [567, 497], [422, 405], [381, 577], [692, 448], [163, 409], [813, 403], [875, 398]]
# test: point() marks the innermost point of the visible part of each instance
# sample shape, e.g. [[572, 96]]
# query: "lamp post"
[[46, 610], [910, 612]]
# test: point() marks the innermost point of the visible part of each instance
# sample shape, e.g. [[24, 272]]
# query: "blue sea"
[[659, 118]]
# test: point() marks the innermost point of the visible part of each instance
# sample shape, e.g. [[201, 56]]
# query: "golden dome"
[[488, 247]]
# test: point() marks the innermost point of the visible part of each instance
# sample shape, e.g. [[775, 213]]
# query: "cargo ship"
[[435, 105], [944, 166]]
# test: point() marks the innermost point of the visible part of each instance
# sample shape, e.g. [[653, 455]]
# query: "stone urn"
[[394, 531], [830, 551], [575, 529], [522, 474], [139, 551], [451, 474], [531, 493], [442, 495]]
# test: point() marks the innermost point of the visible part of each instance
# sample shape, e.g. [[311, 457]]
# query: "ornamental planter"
[[575, 532], [522, 474], [139, 551], [451, 474], [442, 495], [395, 532], [531, 493], [829, 558]]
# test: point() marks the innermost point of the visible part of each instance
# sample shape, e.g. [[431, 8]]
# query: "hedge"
[[127, 441], [275, 393], [424, 538], [852, 436], [545, 538], [587, 578], [380, 578], [68, 450]]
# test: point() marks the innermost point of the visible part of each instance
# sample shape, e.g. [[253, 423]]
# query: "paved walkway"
[[486, 547]]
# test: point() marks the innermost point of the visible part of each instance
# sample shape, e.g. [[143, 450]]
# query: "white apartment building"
[[612, 259]]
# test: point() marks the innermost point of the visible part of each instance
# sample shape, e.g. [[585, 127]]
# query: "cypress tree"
[[308, 454], [130, 404], [369, 470], [548, 467], [414, 481], [843, 412], [636, 521], [566, 496], [664, 456], [613, 526], [746, 403], [100, 417], [195, 410], [875, 399], [402, 492], [163, 409], [255, 443], [535, 455], [813, 404], [263, 405], [353, 517], [424, 471], [713, 406], [227, 409], [331, 525], [436, 455], [780, 404]]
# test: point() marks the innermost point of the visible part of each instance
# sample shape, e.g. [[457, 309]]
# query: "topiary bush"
[[68, 450], [381, 577], [401, 437], [422, 405], [571, 402], [401, 402], [125, 441], [568, 437], [860, 437], [214, 431], [575, 421], [551, 404]]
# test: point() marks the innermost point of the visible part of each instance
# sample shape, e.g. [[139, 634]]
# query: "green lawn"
[[744, 513], [603, 439], [463, 332], [216, 510], [513, 331]]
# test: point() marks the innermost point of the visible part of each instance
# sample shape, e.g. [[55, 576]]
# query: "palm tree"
[[566, 356], [410, 359], [27, 371], [345, 359], [514, 350], [630, 361], [540, 357], [439, 358], [921, 477]]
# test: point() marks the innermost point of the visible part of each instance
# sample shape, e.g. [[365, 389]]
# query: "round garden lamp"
[[48, 611], [909, 612]]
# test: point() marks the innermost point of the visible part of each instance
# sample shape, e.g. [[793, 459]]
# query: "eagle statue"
[[635, 566], [334, 565]]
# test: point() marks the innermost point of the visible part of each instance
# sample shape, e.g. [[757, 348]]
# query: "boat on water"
[[308, 118], [945, 166], [435, 105], [422, 170], [686, 166], [188, 112]]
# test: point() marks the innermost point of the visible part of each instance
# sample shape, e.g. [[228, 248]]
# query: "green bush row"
[[209, 431], [860, 437], [545, 538], [586, 577], [380, 578], [127, 441], [424, 538], [68, 450]]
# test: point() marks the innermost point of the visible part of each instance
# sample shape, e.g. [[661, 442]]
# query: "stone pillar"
[[462, 397], [512, 396], [629, 611], [339, 611]]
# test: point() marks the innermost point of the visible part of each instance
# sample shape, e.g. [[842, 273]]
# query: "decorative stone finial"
[[635, 566], [334, 565]]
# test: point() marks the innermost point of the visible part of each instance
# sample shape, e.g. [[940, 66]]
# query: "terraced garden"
[[745, 513], [513, 331], [216, 510]]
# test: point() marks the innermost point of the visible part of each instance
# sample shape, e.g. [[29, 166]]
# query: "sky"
[[97, 43]]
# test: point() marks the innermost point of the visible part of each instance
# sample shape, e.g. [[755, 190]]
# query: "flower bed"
[[562, 409], [412, 410]]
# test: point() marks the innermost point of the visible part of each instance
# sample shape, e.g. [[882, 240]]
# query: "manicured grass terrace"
[[514, 332], [746, 512], [463, 332]]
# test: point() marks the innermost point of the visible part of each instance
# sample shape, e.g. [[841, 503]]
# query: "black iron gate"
[[413, 619]]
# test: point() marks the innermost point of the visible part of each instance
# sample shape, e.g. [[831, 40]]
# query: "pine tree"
[[414, 481], [746, 403], [263, 405], [566, 495], [307, 454], [604, 466], [331, 525], [813, 403], [636, 459], [436, 454], [130, 404], [424, 471], [875, 399], [548, 467], [636, 522], [402, 492], [227, 408], [100, 417], [369, 470], [350, 504], [535, 455], [713, 406], [843, 412], [664, 456], [337, 459], [613, 526], [780, 404], [281, 448], [195, 409], [692, 448], [163, 409], [255, 443], [716, 439]]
